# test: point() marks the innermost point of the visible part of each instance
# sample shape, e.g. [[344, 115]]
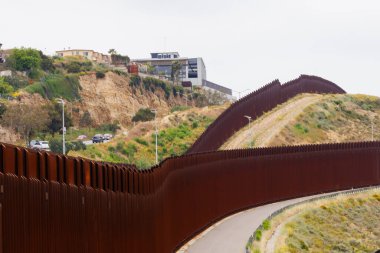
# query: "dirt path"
[[263, 130]]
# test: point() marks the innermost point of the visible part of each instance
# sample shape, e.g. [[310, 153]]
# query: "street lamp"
[[239, 92], [155, 122], [61, 101], [249, 127]]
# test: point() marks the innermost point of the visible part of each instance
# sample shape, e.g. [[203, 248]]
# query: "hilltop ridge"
[[312, 119]]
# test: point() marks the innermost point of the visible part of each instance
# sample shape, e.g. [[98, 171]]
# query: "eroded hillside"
[[112, 98]]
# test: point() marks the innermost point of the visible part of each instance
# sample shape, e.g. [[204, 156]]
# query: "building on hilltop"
[[192, 70], [88, 54]]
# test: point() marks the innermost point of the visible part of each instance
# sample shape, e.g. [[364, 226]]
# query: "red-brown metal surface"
[[256, 104], [62, 204]]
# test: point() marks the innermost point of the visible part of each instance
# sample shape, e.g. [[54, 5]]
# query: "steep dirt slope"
[[112, 98], [310, 118]]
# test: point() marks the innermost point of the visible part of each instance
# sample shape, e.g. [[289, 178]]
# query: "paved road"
[[90, 142], [232, 234]]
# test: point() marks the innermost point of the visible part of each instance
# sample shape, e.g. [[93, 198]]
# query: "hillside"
[[112, 98], [312, 119], [98, 98], [345, 224], [176, 133]]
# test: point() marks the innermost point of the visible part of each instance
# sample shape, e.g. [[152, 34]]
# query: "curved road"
[[231, 234]]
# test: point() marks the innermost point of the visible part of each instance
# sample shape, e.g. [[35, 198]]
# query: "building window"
[[85, 53], [193, 68]]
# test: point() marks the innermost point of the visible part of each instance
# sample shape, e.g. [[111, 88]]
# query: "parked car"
[[98, 138], [40, 145], [107, 136]]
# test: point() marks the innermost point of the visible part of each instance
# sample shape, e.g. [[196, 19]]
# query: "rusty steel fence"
[[54, 203], [256, 104]]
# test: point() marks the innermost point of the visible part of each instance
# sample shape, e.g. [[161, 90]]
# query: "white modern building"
[[192, 73], [192, 69]]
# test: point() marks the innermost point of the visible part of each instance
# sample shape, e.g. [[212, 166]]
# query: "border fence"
[[256, 104], [56, 203]]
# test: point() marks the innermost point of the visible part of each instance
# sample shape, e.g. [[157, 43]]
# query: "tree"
[[86, 120], [112, 51], [5, 88], [24, 59], [55, 118], [26, 119], [151, 69], [176, 68], [46, 62], [143, 115]]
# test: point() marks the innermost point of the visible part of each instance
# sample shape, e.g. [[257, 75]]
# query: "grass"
[[349, 224], [172, 141], [57, 86], [336, 118]]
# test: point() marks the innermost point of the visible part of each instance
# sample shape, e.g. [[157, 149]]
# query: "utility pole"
[[155, 122], [61, 101], [249, 127]]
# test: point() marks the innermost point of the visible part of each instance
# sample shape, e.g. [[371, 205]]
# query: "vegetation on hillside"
[[172, 141], [348, 224], [313, 119], [57, 77], [336, 118]]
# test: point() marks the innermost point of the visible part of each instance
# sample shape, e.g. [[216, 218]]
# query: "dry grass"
[[344, 224]]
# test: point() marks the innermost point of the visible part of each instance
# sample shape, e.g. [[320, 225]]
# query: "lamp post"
[[249, 127], [155, 123], [61, 101], [239, 92]]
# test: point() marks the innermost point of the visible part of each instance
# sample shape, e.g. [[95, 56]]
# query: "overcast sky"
[[244, 43]]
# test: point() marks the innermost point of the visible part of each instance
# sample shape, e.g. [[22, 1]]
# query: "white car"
[[107, 136], [82, 137], [41, 145]]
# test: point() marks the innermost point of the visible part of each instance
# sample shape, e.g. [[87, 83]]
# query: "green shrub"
[[77, 67], [112, 127], [141, 141], [5, 88], [24, 59], [111, 149], [194, 124], [16, 82], [57, 86], [153, 83], [144, 114], [266, 225], [130, 150], [100, 75], [258, 235], [120, 146], [179, 108], [134, 80], [78, 145]]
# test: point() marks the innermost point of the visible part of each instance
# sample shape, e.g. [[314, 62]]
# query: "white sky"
[[244, 43]]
